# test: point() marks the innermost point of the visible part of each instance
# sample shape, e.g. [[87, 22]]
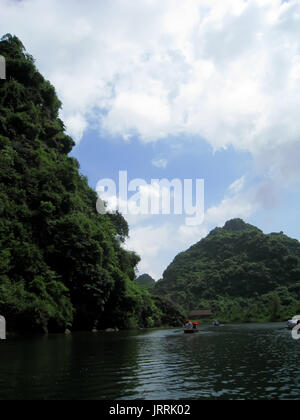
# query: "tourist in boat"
[[188, 325]]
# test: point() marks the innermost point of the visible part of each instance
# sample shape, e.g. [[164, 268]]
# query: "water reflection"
[[243, 361]]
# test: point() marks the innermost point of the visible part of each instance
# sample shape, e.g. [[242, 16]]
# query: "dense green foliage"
[[146, 281], [170, 314], [239, 272], [61, 263]]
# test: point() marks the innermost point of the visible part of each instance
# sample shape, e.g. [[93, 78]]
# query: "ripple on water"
[[232, 362]]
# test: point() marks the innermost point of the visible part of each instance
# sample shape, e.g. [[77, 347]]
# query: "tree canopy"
[[61, 263], [146, 281]]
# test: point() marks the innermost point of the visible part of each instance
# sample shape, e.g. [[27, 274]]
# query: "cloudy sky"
[[206, 89]]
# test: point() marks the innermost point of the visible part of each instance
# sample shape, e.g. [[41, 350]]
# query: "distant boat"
[[191, 329]]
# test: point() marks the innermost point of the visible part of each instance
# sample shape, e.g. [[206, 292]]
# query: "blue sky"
[[170, 89], [100, 157]]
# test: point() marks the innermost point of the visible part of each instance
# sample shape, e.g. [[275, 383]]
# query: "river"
[[249, 361]]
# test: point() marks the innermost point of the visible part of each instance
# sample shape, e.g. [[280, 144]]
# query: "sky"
[[200, 89]]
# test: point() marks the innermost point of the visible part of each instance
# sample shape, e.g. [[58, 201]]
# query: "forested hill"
[[239, 272], [61, 264], [146, 281]]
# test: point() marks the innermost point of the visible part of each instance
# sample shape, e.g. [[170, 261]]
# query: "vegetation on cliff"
[[239, 272], [146, 281], [61, 263]]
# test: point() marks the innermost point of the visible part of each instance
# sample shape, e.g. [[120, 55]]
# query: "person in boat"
[[188, 325]]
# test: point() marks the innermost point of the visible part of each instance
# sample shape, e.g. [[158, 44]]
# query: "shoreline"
[[104, 332]]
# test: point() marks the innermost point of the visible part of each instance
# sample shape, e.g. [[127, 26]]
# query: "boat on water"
[[191, 328]]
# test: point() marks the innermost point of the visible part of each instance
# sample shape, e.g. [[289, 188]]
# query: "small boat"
[[191, 329]]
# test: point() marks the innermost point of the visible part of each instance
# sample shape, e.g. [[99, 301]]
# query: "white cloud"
[[138, 112], [160, 163], [150, 243], [237, 206], [157, 53], [237, 185], [228, 72], [76, 125]]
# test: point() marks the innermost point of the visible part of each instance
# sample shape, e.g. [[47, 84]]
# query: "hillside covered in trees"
[[61, 264], [239, 272], [146, 281]]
